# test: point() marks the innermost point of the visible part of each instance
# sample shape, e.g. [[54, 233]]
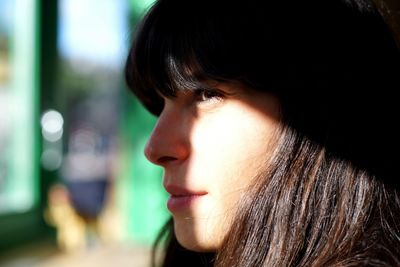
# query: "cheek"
[[231, 146]]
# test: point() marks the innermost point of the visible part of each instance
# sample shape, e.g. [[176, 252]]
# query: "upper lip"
[[179, 191]]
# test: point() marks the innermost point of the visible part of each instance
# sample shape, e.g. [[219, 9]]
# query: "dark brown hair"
[[312, 209], [329, 198]]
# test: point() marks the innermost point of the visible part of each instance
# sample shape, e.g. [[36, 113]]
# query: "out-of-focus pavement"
[[45, 254]]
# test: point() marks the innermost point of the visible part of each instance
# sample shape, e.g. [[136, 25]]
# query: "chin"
[[196, 246], [195, 240]]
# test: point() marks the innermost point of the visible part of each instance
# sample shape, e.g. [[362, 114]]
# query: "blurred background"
[[75, 189]]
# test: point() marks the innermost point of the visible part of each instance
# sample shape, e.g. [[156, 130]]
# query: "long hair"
[[314, 209], [329, 197]]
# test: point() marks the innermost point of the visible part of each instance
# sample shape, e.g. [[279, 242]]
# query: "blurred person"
[[276, 130], [87, 174]]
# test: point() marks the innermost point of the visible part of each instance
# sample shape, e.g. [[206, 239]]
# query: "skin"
[[211, 144]]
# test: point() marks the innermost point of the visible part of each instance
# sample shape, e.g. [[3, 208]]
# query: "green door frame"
[[17, 228]]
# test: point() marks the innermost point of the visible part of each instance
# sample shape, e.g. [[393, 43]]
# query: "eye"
[[208, 95]]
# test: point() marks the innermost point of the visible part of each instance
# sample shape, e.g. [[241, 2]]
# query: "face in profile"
[[211, 143]]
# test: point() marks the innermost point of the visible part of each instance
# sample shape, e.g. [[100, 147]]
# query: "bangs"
[[171, 53]]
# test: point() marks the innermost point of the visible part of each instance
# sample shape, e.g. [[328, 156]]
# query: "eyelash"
[[208, 95]]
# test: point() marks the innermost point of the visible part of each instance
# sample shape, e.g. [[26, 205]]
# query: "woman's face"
[[211, 143]]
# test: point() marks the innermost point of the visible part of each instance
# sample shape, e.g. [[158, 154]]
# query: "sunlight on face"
[[211, 143]]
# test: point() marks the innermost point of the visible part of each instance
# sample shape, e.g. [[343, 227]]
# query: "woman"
[[275, 130]]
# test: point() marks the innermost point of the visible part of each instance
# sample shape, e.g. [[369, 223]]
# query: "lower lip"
[[179, 203]]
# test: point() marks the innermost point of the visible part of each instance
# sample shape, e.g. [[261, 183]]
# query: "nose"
[[168, 142]]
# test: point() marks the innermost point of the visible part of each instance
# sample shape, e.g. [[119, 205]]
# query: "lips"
[[182, 198]]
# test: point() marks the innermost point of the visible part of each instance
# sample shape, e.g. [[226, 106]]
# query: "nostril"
[[165, 159]]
